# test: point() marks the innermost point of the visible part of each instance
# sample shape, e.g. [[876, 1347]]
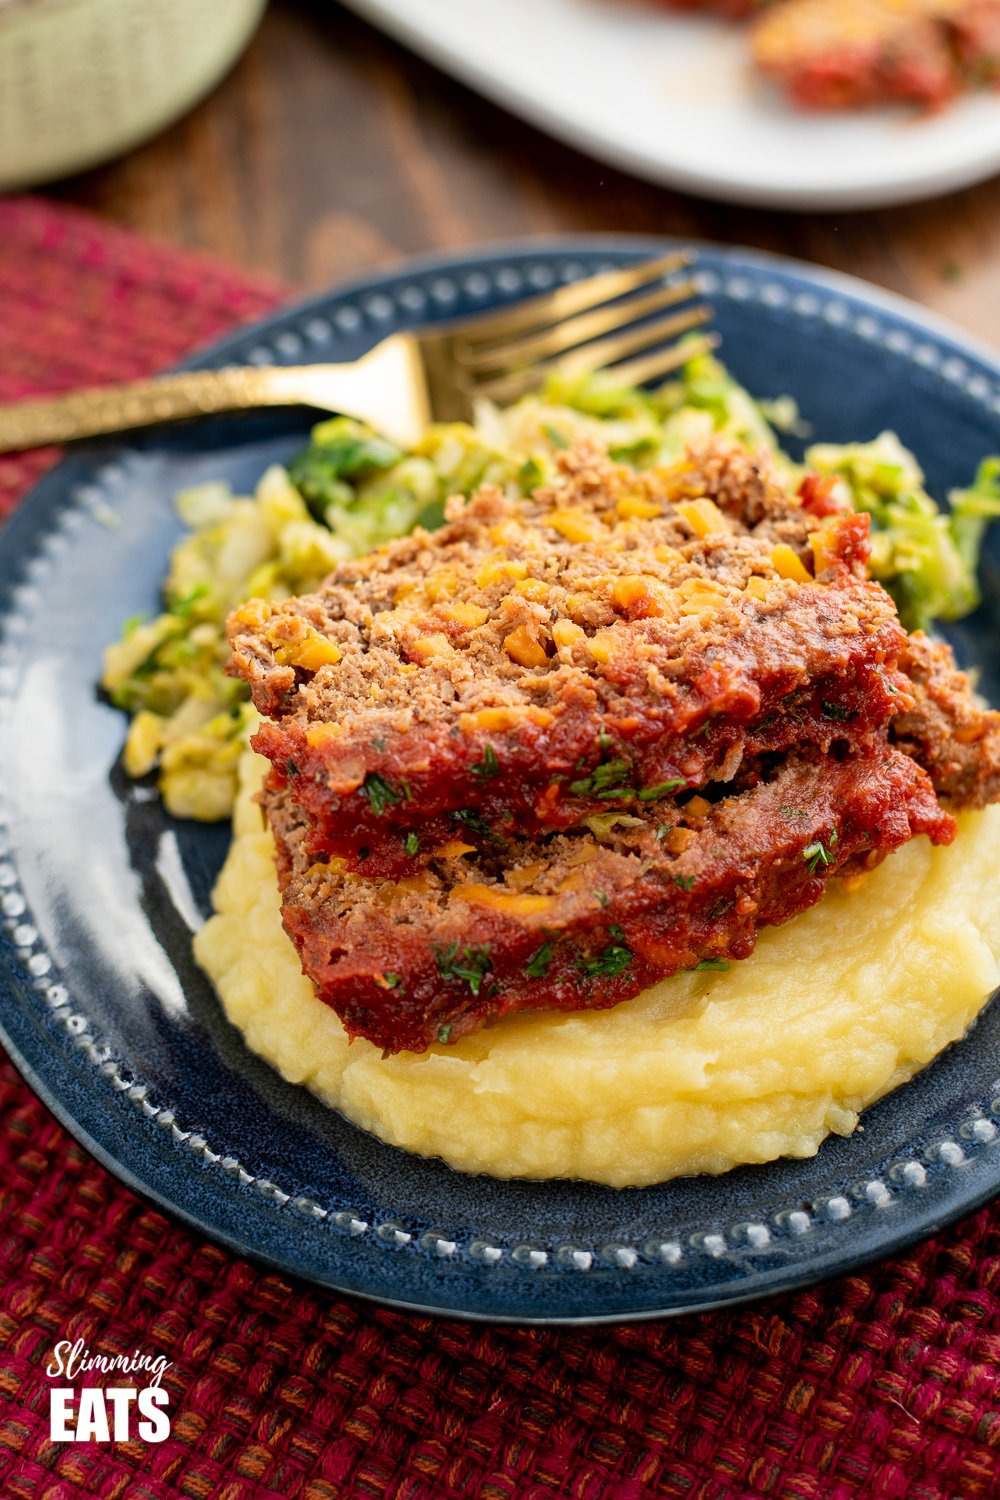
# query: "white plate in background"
[[676, 99]]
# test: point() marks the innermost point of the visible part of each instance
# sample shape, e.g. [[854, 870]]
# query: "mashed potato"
[[698, 1074]]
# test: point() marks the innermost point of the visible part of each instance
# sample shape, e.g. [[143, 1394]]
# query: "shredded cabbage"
[[926, 557]]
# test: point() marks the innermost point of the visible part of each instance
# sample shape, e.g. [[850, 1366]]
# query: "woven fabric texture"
[[885, 1384]]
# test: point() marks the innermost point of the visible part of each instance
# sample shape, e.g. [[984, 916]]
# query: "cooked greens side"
[[351, 490], [925, 556], [189, 720]]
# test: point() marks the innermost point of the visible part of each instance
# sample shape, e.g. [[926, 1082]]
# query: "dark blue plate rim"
[[961, 361]]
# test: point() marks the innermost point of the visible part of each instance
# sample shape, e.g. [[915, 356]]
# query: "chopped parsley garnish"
[[604, 781], [720, 965], [380, 793], [817, 853], [607, 964], [392, 981], [538, 964], [444, 1034], [662, 789], [835, 711], [412, 844], [602, 899], [291, 769], [488, 767], [471, 963], [684, 881], [475, 821], [664, 829]]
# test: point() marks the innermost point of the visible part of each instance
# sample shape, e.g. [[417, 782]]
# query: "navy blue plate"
[[113, 1024]]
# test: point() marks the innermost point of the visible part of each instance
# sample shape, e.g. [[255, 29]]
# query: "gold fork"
[[620, 321]]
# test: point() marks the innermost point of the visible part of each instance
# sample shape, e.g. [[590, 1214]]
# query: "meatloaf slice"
[[833, 54], [585, 919], [947, 730], [607, 641]]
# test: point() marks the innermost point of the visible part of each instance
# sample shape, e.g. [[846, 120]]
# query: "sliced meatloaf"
[[612, 639], [947, 730], [587, 918], [848, 53]]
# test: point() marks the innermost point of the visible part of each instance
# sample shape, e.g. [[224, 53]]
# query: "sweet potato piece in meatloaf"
[[834, 54], [587, 918], [609, 640]]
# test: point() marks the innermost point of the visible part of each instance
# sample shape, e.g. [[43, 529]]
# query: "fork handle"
[[140, 403]]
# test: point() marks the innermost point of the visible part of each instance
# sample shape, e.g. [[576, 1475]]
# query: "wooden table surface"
[[331, 150]]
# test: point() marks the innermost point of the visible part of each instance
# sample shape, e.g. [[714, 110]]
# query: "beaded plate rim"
[[378, 305]]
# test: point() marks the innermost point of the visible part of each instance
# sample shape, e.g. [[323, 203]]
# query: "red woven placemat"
[[884, 1385]]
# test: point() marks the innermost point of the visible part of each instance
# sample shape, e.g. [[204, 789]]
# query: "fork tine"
[[578, 330], [665, 361], [601, 354], [566, 301]]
